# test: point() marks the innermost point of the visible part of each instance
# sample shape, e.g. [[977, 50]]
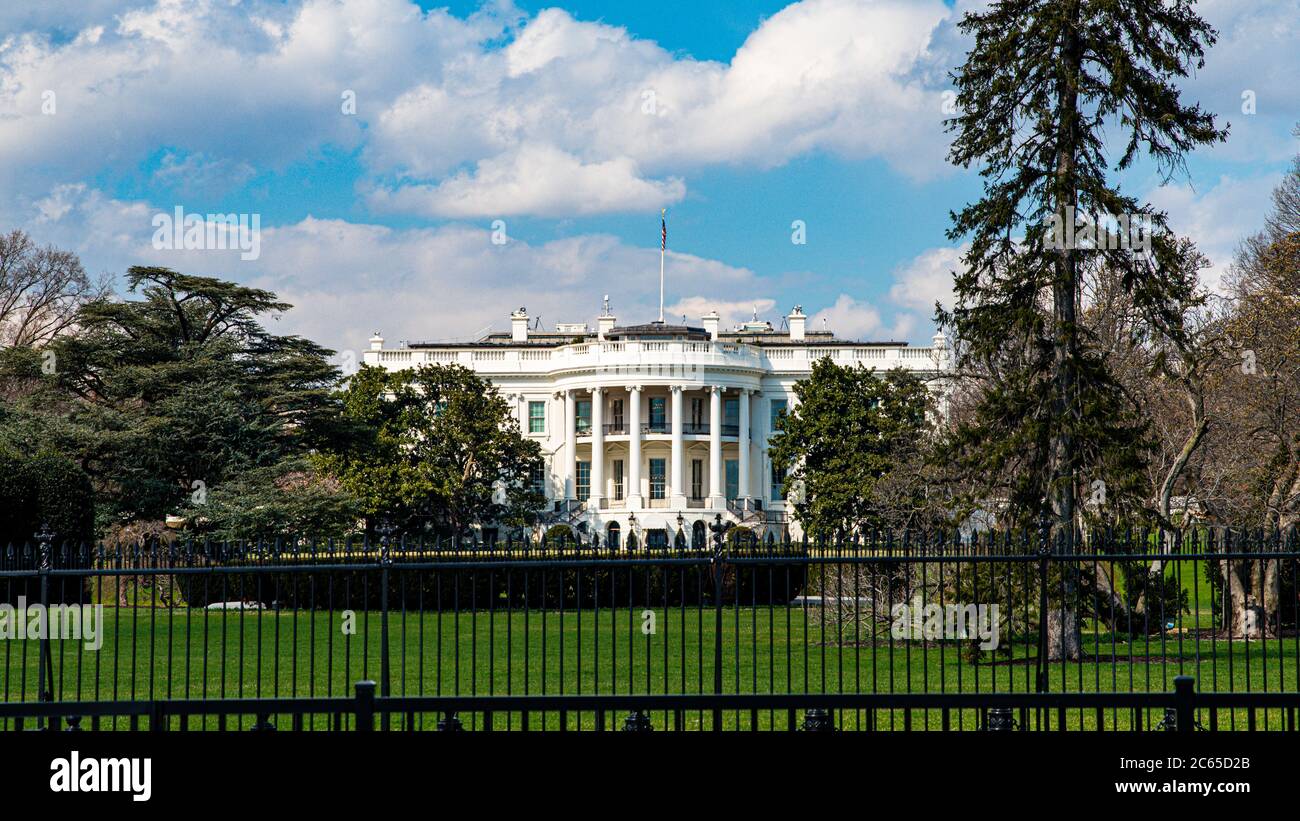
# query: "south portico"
[[657, 454]]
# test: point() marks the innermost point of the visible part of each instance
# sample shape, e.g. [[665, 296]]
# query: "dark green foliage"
[[180, 391], [287, 500], [44, 490], [1045, 87], [1153, 600], [436, 447], [567, 586], [849, 430]]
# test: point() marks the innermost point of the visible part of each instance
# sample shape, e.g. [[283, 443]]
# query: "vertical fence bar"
[[45, 675], [1185, 706]]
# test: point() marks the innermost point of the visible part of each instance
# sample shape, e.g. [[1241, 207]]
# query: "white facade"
[[654, 430]]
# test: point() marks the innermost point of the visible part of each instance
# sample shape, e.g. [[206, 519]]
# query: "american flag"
[[663, 236]]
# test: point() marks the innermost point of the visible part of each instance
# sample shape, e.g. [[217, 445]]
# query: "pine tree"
[[1047, 88]]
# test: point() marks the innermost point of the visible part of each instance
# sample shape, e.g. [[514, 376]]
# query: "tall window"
[[584, 416], [657, 473], [697, 413], [778, 482], [778, 410], [584, 480], [697, 478], [537, 417], [731, 417], [658, 413], [537, 480], [732, 468], [616, 415], [618, 480]]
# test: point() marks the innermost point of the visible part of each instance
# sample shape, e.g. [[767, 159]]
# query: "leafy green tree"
[[439, 450], [850, 429], [287, 500], [163, 398], [1047, 86]]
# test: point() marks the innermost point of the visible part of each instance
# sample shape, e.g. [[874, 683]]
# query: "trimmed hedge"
[[579, 585]]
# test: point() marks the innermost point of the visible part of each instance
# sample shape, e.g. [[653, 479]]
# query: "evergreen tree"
[[1046, 88]]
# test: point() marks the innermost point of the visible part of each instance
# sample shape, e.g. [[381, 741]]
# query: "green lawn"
[[176, 653]]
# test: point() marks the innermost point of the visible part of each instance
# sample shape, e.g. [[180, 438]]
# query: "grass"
[[192, 653]]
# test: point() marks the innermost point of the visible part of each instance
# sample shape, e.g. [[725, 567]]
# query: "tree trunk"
[[1065, 345], [1063, 634], [1253, 591]]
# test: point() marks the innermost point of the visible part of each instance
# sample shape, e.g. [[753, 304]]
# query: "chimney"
[[604, 322], [796, 320], [377, 342], [711, 320], [519, 326]]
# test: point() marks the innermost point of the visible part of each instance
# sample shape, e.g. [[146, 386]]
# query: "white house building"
[[653, 430]]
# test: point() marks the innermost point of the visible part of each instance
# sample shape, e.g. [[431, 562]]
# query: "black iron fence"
[[897, 631]]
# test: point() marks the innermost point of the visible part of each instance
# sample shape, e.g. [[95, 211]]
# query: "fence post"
[[718, 529], [45, 682], [365, 706], [1185, 703], [385, 531], [1044, 554]]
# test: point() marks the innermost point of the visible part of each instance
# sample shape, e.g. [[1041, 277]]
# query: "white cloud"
[[730, 312], [568, 115], [1218, 218], [345, 278], [535, 180], [850, 318], [927, 279]]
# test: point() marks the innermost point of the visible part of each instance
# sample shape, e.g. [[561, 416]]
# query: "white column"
[[634, 499], [570, 474], [742, 471], [597, 447], [717, 500], [677, 494]]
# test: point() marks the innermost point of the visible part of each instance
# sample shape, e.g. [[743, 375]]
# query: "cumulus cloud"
[[927, 279], [535, 180], [730, 312], [451, 281], [1219, 217], [494, 113], [851, 318]]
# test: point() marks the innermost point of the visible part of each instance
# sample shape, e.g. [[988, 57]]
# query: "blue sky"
[[572, 124]]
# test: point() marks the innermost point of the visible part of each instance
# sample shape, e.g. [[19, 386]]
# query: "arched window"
[[613, 533], [699, 535]]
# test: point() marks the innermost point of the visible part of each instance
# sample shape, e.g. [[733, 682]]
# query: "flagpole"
[[663, 248]]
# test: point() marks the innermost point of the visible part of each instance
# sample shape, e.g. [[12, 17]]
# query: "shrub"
[[46, 489]]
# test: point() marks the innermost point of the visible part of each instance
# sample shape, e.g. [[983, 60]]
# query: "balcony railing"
[[636, 354], [695, 427], [655, 427]]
